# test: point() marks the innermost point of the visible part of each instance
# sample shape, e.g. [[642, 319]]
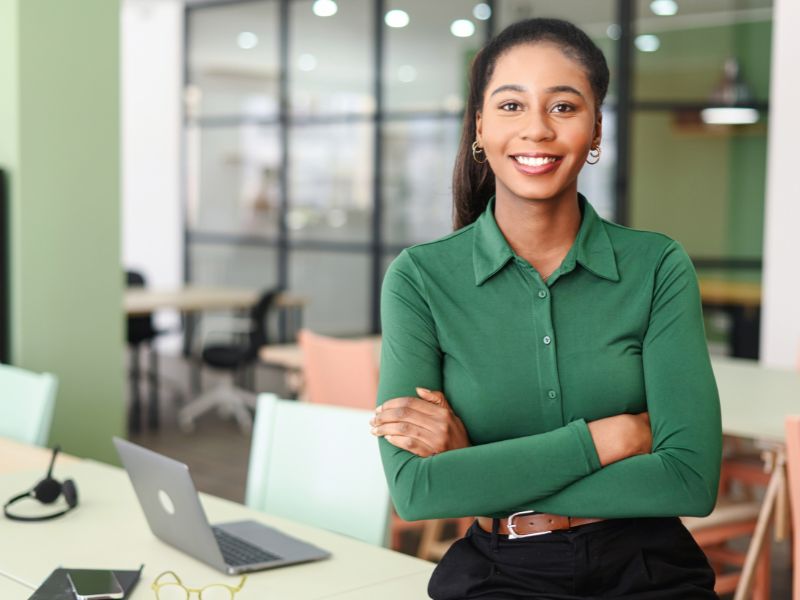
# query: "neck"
[[540, 231]]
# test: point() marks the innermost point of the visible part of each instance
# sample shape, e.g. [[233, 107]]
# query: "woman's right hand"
[[621, 436]]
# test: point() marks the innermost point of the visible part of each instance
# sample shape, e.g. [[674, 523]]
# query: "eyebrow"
[[556, 89]]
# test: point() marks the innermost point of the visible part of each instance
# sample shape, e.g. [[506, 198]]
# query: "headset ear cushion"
[[70, 492], [47, 490]]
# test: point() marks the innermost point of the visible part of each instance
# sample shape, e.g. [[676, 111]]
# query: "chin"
[[535, 193]]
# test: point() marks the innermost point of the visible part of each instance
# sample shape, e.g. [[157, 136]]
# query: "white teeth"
[[530, 161]]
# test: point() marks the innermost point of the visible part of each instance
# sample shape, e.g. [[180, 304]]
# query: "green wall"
[[59, 113], [705, 188]]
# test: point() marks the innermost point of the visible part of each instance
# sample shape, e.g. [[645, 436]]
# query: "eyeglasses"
[[175, 590]]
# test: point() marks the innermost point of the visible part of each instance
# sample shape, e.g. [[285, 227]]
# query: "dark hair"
[[473, 183]]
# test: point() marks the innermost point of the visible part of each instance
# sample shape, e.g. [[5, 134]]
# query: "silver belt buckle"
[[513, 535]]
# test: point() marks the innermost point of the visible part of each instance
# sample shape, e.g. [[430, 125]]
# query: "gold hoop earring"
[[595, 154], [477, 151]]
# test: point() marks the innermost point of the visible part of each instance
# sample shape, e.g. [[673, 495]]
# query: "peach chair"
[[345, 373], [339, 371], [793, 471]]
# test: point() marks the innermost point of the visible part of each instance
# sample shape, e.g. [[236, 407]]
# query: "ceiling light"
[[664, 8], [729, 116], [396, 18], [462, 28], [647, 42], [247, 40], [406, 73], [482, 11], [306, 62], [324, 8], [614, 31], [728, 97]]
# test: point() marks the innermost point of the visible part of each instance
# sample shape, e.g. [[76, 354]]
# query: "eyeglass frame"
[[156, 586]]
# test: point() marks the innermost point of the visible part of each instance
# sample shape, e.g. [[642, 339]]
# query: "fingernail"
[[379, 409], [422, 390], [373, 431]]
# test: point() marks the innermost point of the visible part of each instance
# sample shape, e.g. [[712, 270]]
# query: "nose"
[[536, 127]]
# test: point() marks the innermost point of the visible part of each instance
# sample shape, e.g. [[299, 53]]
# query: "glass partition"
[[232, 59]]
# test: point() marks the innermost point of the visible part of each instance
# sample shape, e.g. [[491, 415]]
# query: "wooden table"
[[741, 301], [142, 301], [289, 357], [113, 533], [721, 292], [755, 401], [191, 300]]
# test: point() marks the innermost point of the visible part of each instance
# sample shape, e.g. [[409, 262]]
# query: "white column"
[[151, 79], [780, 321]]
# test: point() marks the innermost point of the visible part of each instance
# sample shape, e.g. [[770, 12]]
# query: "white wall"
[[151, 67], [780, 323]]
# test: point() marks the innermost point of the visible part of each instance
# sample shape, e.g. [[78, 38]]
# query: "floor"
[[217, 451]]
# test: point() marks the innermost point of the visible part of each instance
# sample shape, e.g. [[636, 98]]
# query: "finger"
[[409, 402], [407, 430], [410, 445], [432, 397], [431, 423]]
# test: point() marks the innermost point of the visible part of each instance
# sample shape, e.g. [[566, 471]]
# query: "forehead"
[[539, 65]]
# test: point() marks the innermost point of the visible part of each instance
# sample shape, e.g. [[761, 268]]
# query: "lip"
[[541, 170]]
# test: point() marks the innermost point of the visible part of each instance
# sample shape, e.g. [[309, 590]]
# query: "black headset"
[[47, 491]]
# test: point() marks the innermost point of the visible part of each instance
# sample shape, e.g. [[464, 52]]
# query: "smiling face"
[[537, 123]]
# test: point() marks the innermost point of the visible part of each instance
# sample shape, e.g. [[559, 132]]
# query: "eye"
[[562, 107], [510, 106]]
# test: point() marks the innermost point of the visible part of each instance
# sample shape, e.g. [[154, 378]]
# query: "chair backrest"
[[318, 465], [259, 314], [338, 371], [793, 472], [27, 401], [139, 328]]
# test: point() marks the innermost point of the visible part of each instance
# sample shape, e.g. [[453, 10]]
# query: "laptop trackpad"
[[272, 540]]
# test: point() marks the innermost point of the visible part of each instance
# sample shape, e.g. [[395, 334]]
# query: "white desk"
[[16, 456], [108, 530], [755, 400], [11, 589]]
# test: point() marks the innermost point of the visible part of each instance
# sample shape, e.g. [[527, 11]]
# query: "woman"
[[574, 406]]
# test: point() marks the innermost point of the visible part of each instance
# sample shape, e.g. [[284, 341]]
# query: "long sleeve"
[[681, 475], [479, 480]]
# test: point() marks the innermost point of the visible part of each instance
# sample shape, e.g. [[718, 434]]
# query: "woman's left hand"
[[424, 426]]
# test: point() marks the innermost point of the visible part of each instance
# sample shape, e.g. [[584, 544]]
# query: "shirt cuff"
[[587, 443]]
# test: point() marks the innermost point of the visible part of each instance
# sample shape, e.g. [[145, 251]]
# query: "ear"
[[479, 127], [598, 130]]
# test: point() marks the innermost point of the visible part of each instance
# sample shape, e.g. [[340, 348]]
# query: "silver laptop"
[[173, 510]]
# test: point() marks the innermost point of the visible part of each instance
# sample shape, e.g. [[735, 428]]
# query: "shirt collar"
[[592, 248]]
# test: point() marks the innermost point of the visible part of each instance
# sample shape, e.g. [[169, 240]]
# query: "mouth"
[[537, 160], [536, 164]]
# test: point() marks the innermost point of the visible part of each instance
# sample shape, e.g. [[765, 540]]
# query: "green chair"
[[27, 400], [318, 464]]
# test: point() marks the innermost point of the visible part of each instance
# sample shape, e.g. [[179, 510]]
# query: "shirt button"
[[551, 394], [542, 294], [547, 339]]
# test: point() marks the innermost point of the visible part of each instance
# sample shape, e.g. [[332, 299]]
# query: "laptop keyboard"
[[237, 552]]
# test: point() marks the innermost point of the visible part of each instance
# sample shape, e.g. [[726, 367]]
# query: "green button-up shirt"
[[525, 364]]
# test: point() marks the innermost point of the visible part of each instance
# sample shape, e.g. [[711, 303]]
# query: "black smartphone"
[[94, 584]]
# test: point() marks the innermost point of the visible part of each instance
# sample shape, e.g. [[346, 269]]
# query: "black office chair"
[[236, 357], [142, 332]]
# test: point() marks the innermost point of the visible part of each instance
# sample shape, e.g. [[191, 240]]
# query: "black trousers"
[[647, 559]]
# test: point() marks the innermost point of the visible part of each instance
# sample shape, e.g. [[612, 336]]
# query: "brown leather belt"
[[528, 523]]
